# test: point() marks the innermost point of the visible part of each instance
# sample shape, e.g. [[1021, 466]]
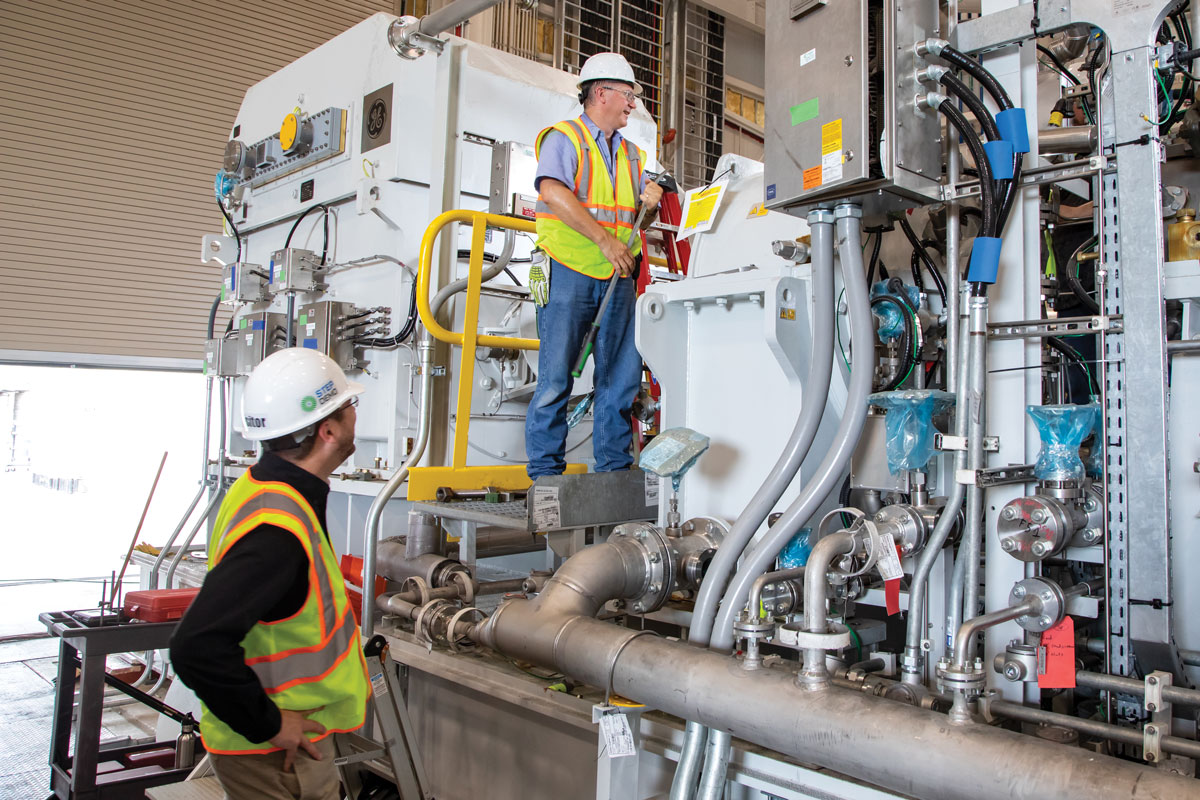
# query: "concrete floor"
[[27, 673]]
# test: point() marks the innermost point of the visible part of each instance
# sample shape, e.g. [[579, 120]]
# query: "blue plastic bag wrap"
[[1063, 429], [797, 550], [891, 321], [909, 424]]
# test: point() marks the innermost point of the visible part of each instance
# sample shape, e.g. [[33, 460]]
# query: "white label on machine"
[[379, 685], [311, 328], [652, 484], [809, 57], [831, 166], [889, 562], [249, 340], [545, 508], [618, 738]]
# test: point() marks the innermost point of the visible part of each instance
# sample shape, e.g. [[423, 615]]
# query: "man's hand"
[[291, 735], [651, 195], [617, 254]]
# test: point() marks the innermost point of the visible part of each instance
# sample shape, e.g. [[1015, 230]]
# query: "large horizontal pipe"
[[899, 747], [459, 11], [1122, 685]]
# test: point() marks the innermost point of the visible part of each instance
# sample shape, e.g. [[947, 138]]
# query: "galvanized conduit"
[[820, 368], [828, 475], [425, 423]]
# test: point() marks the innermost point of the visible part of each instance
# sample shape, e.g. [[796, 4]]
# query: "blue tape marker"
[[985, 260], [1000, 156], [771, 192], [311, 344], [271, 272], [1013, 128], [258, 325]]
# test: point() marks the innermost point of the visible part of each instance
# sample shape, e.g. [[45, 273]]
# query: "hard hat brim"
[[637, 87]]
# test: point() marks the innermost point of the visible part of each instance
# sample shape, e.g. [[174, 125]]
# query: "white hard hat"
[[608, 67], [292, 390]]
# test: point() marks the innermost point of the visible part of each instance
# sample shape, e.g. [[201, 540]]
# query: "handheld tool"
[[664, 180]]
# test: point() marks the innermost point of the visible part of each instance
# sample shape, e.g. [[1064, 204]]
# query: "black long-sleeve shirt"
[[263, 578]]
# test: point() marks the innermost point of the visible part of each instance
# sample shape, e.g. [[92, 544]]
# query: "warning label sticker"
[[546, 511], [812, 177]]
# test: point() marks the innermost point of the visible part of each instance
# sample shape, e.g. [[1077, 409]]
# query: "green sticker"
[[304, 319], [242, 323], [308, 403], [806, 111]]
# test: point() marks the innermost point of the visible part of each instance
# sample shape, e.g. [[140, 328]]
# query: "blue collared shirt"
[[558, 160]]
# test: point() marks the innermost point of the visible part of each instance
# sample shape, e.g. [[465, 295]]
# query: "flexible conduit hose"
[[820, 369], [426, 346], [827, 476]]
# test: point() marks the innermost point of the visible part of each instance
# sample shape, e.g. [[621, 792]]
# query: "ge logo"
[[376, 118]]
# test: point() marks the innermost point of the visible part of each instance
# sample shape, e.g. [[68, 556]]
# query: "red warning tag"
[[892, 572], [1056, 657]]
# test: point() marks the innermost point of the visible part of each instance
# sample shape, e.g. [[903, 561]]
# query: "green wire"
[[857, 642], [1051, 261]]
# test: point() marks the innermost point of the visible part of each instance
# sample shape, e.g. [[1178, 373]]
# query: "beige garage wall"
[[115, 114]]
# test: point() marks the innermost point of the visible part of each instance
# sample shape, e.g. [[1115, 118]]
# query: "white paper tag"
[[618, 738], [311, 328], [379, 685], [652, 486], [545, 508], [831, 166], [249, 340], [889, 562], [809, 57]]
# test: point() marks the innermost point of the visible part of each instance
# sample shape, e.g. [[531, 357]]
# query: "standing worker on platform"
[[270, 645], [589, 180]]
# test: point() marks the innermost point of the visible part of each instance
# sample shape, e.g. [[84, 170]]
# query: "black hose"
[[987, 189], [233, 228], [976, 106], [875, 258], [906, 339], [212, 316], [972, 67], [1073, 283], [937, 274], [410, 324], [1058, 65], [914, 266], [288, 242], [919, 252]]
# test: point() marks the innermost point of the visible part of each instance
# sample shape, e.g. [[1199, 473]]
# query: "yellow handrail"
[[479, 222], [470, 338]]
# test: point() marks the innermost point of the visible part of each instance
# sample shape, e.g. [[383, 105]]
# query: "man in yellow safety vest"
[[589, 180], [270, 645]]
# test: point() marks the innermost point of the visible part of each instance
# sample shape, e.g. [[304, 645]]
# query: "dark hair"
[[585, 91], [288, 446]]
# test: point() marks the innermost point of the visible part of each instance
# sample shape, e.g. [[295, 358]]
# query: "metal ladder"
[[396, 759]]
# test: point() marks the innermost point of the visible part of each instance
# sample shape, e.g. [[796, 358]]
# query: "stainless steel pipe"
[[1117, 683], [453, 14], [815, 675], [1072, 140]]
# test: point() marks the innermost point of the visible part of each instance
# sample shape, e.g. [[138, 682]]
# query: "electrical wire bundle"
[[402, 336]]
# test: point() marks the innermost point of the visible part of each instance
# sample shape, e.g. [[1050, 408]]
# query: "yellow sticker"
[[757, 210], [787, 313], [831, 137], [702, 207]]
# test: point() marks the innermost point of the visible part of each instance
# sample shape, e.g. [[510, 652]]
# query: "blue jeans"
[[562, 324]]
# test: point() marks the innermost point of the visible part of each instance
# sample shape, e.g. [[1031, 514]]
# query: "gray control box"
[[294, 270], [514, 166], [245, 283], [259, 335], [326, 328]]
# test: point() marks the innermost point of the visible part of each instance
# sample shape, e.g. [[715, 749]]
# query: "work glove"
[[539, 278]]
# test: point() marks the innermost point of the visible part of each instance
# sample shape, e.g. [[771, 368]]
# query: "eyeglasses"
[[351, 403], [628, 94]]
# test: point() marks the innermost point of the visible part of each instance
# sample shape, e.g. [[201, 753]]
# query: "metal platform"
[[512, 515]]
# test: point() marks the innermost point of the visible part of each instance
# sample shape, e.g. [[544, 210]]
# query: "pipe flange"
[[969, 679], [421, 627], [1052, 603], [405, 37], [419, 586], [748, 628], [452, 639], [906, 525], [659, 566], [1069, 489], [793, 635]]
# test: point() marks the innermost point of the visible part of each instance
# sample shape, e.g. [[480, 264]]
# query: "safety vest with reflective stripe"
[[615, 208], [311, 659]]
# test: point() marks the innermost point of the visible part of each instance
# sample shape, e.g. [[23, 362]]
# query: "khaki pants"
[[261, 776]]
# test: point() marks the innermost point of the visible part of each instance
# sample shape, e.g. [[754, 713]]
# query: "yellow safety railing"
[[470, 338]]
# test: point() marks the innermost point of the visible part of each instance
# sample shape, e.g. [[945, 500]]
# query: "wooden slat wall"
[[113, 118]]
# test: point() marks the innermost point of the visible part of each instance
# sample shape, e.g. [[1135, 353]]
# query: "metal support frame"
[[1134, 363]]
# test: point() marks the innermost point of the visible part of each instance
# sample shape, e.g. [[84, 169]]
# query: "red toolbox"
[[158, 605]]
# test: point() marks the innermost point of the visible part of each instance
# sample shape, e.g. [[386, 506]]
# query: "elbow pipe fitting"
[[931, 47], [815, 675], [932, 74], [931, 100]]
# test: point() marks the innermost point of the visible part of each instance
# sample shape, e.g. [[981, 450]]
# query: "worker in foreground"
[[270, 645], [589, 180]]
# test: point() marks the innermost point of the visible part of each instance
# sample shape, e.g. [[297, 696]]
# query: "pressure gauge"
[[295, 134], [235, 156]]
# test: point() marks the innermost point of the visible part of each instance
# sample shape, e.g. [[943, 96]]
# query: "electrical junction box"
[[514, 166], [221, 358], [245, 283], [324, 327], [294, 270], [259, 335], [842, 121]]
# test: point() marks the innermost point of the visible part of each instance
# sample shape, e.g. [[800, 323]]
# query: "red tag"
[[891, 591], [1056, 657]]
